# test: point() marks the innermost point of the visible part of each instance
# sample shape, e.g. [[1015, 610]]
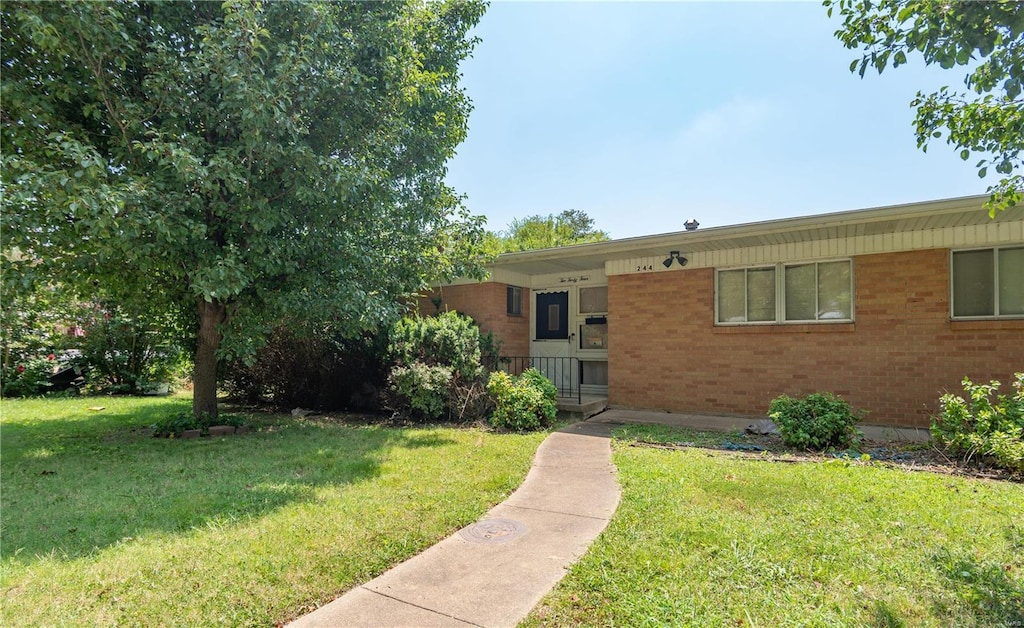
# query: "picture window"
[[785, 293]]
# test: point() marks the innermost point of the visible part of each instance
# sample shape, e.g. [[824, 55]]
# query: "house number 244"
[[644, 268]]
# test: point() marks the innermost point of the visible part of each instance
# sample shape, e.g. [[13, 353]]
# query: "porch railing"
[[565, 373]]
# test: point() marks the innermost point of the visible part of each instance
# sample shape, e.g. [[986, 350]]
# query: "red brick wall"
[[486, 303], [894, 361]]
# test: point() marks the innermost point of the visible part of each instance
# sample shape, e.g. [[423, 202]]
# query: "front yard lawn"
[[715, 538], [103, 524]]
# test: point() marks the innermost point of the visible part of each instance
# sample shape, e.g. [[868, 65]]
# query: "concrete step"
[[581, 409]]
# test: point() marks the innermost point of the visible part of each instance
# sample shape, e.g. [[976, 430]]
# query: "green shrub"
[[29, 378], [312, 367], [449, 339], [527, 402], [817, 421], [117, 351], [991, 430], [127, 354], [36, 323], [536, 379], [437, 371], [175, 424], [424, 388], [490, 351]]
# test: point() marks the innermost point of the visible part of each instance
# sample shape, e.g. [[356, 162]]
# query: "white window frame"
[[780, 294], [745, 299], [995, 287], [579, 301], [817, 309], [585, 353]]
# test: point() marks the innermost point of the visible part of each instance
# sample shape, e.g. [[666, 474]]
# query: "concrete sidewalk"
[[494, 572]]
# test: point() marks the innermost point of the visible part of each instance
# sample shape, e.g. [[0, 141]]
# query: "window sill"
[[987, 324], [786, 328]]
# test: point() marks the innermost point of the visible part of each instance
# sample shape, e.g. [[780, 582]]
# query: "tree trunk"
[[204, 375]]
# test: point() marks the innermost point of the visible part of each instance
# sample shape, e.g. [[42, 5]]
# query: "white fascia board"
[[767, 227], [615, 256]]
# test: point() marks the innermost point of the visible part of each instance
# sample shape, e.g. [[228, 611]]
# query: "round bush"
[[527, 402], [424, 387], [817, 421]]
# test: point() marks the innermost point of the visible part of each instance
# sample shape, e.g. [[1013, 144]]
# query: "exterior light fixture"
[[691, 224], [674, 256]]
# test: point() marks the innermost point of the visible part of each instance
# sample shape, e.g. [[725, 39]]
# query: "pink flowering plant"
[[30, 377]]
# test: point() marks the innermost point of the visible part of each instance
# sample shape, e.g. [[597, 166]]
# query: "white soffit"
[[900, 219]]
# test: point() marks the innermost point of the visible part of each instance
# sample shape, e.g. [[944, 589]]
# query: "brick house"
[[888, 307]]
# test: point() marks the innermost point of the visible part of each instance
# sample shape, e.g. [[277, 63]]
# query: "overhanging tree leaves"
[[987, 39], [236, 162]]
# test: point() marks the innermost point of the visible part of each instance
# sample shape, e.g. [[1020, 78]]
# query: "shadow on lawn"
[[886, 617], [987, 589], [76, 485]]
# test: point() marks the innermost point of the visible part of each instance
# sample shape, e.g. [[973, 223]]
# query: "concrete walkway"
[[494, 572]]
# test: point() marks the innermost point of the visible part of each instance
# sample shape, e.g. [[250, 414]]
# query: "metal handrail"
[[566, 373]]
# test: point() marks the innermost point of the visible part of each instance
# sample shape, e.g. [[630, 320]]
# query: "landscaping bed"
[[900, 454]]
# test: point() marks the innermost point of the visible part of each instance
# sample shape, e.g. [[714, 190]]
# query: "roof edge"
[[831, 219]]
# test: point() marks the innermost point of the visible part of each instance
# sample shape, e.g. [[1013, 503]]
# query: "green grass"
[[104, 525], [706, 538], [673, 435]]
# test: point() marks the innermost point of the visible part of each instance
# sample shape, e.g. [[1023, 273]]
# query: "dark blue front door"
[[552, 316]]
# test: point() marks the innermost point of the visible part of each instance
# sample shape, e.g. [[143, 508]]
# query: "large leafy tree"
[[232, 163], [572, 226], [986, 39]]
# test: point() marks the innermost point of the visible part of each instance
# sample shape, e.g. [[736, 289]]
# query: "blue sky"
[[645, 114]]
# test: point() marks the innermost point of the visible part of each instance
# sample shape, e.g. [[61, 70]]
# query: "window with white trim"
[[593, 324], [785, 293], [818, 291], [594, 300], [746, 295], [988, 283]]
